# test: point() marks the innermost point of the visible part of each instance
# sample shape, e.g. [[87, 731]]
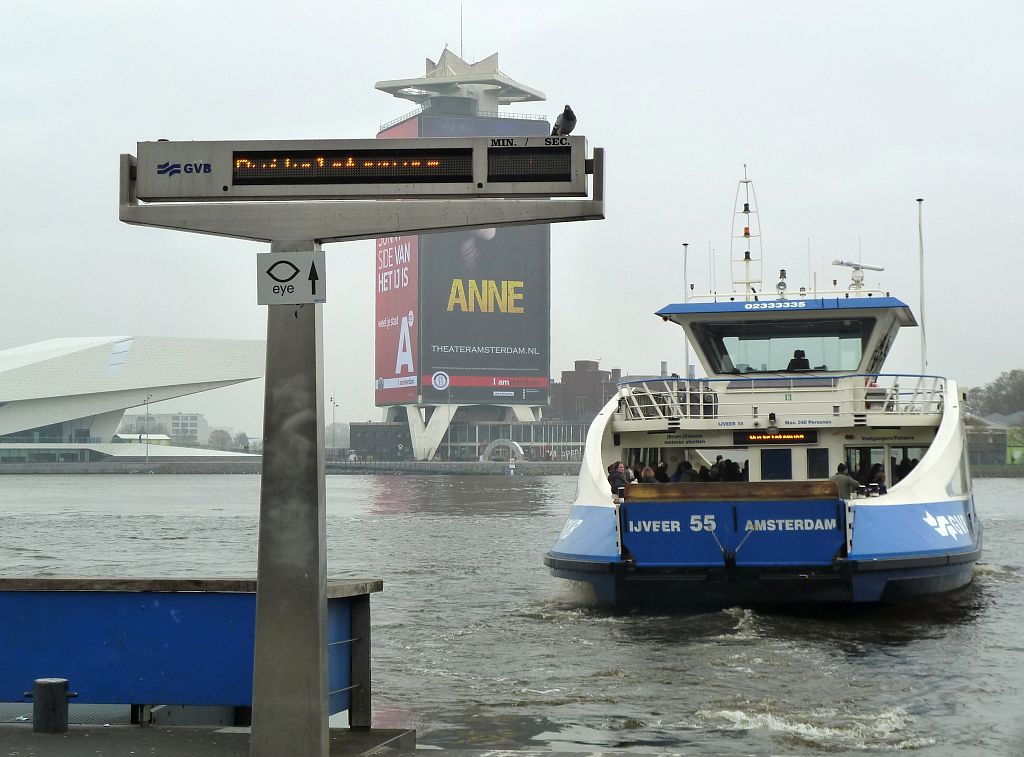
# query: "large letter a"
[[404, 358]]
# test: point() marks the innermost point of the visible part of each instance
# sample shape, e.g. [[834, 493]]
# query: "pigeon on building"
[[565, 122]]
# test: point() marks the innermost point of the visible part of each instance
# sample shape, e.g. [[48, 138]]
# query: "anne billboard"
[[479, 322]]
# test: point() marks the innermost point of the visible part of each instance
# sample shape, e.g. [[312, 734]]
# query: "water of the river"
[[476, 646]]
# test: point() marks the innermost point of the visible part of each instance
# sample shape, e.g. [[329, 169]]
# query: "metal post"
[[362, 695], [289, 713], [50, 705], [334, 441], [686, 298], [148, 398], [920, 241]]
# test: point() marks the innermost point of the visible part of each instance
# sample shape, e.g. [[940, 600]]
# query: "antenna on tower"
[[745, 254]]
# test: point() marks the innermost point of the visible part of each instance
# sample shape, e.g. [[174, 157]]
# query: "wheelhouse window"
[[833, 344]]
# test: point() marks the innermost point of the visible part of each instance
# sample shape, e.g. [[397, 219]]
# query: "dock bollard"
[[50, 705]]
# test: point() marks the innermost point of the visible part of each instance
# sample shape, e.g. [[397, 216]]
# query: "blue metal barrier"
[[166, 641]]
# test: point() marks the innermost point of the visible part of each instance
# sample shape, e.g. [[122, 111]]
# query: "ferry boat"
[[795, 386]]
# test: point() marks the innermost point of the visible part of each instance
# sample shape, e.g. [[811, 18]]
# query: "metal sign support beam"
[[289, 704], [344, 220]]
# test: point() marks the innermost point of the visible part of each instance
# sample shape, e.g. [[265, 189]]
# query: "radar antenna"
[[857, 275], [745, 245]]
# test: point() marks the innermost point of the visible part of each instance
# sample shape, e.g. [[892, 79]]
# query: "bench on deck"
[[733, 491], [167, 641]]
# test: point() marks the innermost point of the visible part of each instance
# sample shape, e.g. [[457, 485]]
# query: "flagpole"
[[686, 298], [920, 241]]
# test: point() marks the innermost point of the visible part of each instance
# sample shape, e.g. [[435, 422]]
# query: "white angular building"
[[63, 394]]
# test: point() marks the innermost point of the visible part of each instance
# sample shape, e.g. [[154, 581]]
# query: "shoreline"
[[332, 468], [370, 467]]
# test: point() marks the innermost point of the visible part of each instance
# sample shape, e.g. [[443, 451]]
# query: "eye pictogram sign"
[[291, 278]]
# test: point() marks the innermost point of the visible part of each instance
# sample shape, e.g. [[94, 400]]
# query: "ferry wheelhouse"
[[794, 387]]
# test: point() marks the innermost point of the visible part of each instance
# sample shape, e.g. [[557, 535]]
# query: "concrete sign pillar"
[[290, 672]]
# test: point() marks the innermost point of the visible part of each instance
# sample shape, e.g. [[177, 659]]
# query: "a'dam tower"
[[463, 319]]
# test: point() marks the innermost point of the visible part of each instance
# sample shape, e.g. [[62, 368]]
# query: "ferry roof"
[[765, 307]]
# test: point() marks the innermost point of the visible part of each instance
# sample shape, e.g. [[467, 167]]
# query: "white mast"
[[745, 245], [686, 298], [920, 242]]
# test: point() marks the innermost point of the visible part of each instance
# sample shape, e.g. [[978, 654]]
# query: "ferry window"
[[861, 461], [817, 463], [835, 344], [776, 465], [961, 481], [904, 460]]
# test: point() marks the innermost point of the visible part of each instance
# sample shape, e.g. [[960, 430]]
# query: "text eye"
[[285, 274]]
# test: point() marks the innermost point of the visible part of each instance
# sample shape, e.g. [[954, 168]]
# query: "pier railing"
[[806, 396]]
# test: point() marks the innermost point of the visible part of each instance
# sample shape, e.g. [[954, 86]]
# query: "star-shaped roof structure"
[[451, 76]]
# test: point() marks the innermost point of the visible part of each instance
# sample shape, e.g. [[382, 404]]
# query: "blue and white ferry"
[[775, 529]]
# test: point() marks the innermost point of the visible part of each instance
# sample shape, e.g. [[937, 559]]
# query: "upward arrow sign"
[[313, 277]]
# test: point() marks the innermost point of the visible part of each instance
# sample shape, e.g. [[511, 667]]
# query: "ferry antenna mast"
[[746, 235]]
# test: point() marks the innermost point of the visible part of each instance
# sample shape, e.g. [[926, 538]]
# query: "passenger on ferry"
[[864, 474], [799, 362], [618, 477], [880, 482], [647, 476], [637, 469], [901, 469], [732, 471], [844, 481], [661, 473], [684, 473], [873, 473], [704, 474]]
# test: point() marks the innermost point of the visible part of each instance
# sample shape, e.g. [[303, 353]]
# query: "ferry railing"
[[783, 304], [809, 396]]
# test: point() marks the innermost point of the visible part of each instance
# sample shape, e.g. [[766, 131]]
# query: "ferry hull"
[[619, 583], [767, 552]]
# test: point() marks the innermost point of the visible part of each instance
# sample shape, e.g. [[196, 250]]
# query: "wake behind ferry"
[[794, 388]]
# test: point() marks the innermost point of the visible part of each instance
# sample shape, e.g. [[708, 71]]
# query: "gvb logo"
[[570, 525], [947, 526], [173, 169]]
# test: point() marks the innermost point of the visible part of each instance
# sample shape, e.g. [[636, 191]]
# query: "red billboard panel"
[[396, 353], [397, 320]]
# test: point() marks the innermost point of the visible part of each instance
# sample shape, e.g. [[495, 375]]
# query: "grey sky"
[[844, 112]]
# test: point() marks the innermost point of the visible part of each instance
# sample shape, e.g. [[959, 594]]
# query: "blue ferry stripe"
[[806, 303]]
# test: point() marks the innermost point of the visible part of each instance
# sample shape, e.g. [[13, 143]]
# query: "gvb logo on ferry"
[[173, 169], [944, 525], [571, 525]]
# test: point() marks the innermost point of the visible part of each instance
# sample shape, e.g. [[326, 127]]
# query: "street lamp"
[[334, 426], [148, 398]]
